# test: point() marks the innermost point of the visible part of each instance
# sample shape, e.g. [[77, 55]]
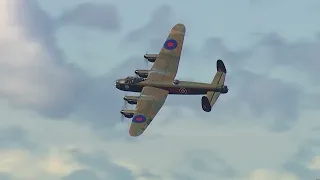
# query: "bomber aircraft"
[[155, 84]]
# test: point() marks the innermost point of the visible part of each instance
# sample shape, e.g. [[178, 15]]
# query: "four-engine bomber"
[[155, 84]]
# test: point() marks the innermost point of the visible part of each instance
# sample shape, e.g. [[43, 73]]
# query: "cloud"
[[210, 163], [262, 174], [218, 148], [160, 21], [81, 175], [178, 176], [4, 176], [15, 137], [34, 71], [302, 55], [59, 162], [17, 163], [304, 161], [101, 16], [30, 77], [46, 162], [99, 162], [266, 95], [315, 163]]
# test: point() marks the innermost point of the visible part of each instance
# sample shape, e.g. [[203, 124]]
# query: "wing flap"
[[149, 103]]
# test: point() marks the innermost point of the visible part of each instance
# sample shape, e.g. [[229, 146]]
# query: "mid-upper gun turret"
[[151, 57]]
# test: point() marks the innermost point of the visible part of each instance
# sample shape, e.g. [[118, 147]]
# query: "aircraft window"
[[140, 80], [133, 80], [129, 80]]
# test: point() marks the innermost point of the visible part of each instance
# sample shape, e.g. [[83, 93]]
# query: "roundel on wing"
[[170, 44], [139, 118]]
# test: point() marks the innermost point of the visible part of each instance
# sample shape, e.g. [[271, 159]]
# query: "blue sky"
[[60, 110]]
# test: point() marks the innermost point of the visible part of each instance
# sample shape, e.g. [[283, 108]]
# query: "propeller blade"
[[124, 107], [146, 61], [122, 118], [147, 64]]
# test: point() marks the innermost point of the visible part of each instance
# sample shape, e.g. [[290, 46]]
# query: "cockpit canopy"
[[133, 80]]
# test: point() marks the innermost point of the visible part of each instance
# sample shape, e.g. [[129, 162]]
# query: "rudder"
[[211, 97]]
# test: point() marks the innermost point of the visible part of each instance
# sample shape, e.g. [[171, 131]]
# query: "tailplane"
[[211, 97]]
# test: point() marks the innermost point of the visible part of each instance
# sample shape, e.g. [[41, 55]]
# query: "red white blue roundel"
[[139, 118], [183, 90], [170, 44]]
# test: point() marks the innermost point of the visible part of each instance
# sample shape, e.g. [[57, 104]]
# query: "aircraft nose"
[[117, 84]]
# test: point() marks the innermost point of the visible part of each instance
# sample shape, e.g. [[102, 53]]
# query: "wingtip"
[[179, 27], [220, 66], [133, 133]]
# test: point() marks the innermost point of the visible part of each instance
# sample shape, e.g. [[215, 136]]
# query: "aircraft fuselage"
[[181, 88]]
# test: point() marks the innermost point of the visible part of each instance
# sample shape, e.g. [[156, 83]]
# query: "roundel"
[[183, 91], [139, 119], [170, 44]]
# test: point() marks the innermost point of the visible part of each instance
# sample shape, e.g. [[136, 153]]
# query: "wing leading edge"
[[166, 66], [149, 103]]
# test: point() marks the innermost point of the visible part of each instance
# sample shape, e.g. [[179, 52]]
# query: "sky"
[[59, 109]]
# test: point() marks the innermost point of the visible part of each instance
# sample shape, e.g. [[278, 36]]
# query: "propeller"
[[146, 62], [124, 107]]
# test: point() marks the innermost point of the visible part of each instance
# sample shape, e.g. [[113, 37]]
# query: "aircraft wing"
[[149, 103], [167, 63]]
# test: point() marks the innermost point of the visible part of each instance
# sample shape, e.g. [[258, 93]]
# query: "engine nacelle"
[[127, 113], [151, 57], [142, 73], [131, 99]]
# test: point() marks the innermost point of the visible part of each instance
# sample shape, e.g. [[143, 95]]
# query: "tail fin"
[[211, 97]]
